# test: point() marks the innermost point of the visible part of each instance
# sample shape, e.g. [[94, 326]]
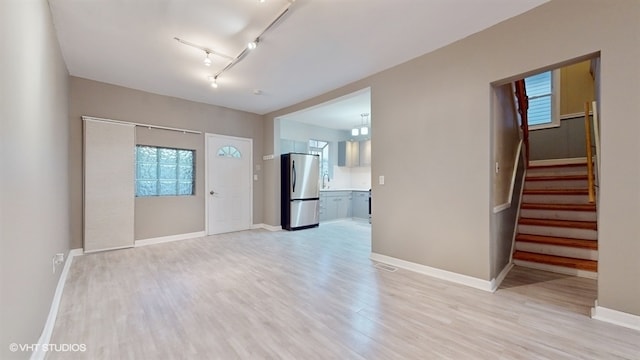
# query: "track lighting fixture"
[[234, 60], [207, 61], [213, 80]]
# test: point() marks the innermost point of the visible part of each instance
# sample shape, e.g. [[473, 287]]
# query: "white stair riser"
[[576, 253], [555, 199], [557, 171], [558, 215], [556, 184], [557, 269], [558, 232]]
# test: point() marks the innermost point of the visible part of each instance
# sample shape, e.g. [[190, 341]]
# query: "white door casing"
[[229, 185]]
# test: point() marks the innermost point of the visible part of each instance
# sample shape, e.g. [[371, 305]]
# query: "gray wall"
[[444, 99], [565, 141], [34, 187], [506, 137], [158, 216], [161, 216], [503, 225]]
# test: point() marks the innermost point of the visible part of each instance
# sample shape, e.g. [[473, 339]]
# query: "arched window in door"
[[230, 152]]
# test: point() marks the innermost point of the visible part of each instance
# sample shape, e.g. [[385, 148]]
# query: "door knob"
[[211, 192]]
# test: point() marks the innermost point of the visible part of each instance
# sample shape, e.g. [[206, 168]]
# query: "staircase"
[[557, 228]]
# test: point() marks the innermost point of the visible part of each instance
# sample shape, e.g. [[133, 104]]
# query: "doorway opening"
[[545, 128], [328, 130]]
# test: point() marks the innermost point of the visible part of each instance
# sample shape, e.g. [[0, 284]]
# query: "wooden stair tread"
[[589, 225], [558, 241], [559, 207], [584, 164], [580, 264], [556, 177], [556, 191]]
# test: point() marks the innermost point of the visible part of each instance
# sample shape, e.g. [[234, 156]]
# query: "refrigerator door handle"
[[293, 174]]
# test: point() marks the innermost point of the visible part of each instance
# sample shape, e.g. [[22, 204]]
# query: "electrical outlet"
[[56, 260]]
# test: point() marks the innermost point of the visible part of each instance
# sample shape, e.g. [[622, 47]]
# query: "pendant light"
[[364, 129]]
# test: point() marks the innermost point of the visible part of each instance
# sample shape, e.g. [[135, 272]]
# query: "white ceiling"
[[342, 113], [318, 46]]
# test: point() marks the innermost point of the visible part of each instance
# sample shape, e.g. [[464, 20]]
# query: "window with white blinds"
[[542, 90]]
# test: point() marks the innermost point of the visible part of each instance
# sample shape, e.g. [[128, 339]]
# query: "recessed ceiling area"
[[318, 46], [342, 113]]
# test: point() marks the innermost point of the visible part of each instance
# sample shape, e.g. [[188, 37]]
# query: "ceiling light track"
[[213, 79], [205, 49], [252, 45]]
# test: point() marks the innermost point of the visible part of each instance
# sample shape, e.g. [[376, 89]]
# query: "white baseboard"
[[75, 252], [434, 272], [546, 162], [45, 337], [266, 227], [495, 283], [615, 317], [170, 238]]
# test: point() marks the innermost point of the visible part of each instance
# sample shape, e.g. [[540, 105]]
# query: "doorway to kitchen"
[[340, 132]]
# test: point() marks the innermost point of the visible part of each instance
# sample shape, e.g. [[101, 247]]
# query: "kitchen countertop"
[[344, 189]]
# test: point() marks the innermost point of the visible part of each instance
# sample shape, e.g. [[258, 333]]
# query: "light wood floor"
[[314, 294]]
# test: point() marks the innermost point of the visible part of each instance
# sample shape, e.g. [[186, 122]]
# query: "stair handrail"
[[596, 140], [587, 130], [523, 107]]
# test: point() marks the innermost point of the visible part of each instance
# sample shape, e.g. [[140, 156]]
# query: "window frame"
[[314, 148], [555, 103], [157, 177]]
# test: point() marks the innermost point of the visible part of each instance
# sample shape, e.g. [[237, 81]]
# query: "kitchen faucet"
[[325, 185]]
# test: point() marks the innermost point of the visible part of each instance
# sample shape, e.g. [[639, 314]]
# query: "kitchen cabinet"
[[360, 204], [348, 153], [354, 153], [335, 205], [365, 152]]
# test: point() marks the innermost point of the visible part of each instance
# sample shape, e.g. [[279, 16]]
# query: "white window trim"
[[555, 104]]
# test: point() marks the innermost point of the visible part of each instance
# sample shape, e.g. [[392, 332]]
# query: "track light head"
[[252, 45], [207, 60], [213, 80]]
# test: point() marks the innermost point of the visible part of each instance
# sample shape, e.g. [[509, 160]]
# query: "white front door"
[[229, 184]]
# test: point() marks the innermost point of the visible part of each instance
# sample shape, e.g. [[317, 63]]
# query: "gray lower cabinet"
[[360, 204], [335, 205]]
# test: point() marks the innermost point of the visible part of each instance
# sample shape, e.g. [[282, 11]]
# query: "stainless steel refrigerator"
[[300, 208]]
